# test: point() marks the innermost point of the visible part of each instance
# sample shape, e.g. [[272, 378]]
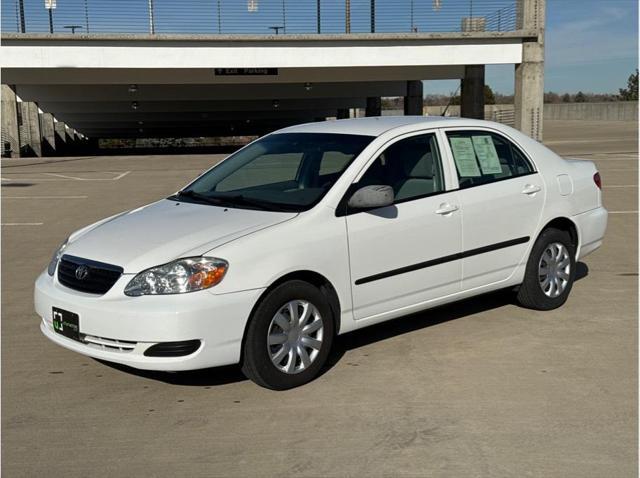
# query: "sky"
[[590, 46]]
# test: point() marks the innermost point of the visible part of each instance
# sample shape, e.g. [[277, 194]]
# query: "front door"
[[404, 254]]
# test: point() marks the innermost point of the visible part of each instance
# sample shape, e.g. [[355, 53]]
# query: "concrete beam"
[[472, 92], [374, 106], [48, 134], [10, 131], [529, 75], [213, 107], [413, 100], [31, 136], [203, 76], [261, 51], [208, 92], [179, 117], [221, 129]]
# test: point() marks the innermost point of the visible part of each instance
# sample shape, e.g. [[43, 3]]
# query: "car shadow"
[[427, 318], [412, 322], [16, 185], [582, 271], [206, 377], [350, 341]]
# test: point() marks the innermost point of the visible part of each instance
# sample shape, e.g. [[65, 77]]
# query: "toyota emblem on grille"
[[82, 272]]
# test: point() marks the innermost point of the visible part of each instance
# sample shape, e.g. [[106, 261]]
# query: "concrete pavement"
[[479, 388]]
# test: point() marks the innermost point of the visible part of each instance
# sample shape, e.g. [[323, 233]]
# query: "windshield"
[[281, 172]]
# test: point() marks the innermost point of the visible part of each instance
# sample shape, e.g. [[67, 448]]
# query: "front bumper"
[[122, 328]]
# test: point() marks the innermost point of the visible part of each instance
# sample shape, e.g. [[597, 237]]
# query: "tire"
[[540, 291], [269, 365]]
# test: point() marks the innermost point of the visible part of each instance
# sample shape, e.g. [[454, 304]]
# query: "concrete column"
[[32, 136], [72, 141], [10, 131], [413, 99], [71, 137], [472, 92], [529, 75], [61, 137], [48, 134], [342, 113], [374, 106]]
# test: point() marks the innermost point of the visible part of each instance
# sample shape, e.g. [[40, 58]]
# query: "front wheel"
[[550, 271], [289, 336]]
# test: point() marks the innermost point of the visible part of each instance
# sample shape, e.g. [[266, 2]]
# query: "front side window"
[[410, 166], [285, 171], [482, 157]]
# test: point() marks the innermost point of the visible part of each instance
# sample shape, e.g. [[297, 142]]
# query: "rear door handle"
[[531, 189], [446, 208]]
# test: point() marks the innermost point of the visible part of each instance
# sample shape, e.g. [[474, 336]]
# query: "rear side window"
[[482, 157]]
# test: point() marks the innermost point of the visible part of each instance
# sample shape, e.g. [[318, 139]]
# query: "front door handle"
[[531, 189], [446, 209]]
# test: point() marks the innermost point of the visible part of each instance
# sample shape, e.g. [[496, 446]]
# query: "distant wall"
[[613, 111]]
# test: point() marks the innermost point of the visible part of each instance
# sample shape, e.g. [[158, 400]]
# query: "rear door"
[[402, 255], [501, 197]]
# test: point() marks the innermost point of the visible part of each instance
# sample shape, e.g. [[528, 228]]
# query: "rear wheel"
[[289, 336], [550, 271]]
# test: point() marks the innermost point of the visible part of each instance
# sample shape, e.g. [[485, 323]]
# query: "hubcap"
[[554, 270], [295, 336]]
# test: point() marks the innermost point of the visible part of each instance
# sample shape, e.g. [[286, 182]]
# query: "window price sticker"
[[465, 157], [486, 154]]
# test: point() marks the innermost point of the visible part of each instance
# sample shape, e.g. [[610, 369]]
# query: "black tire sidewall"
[[531, 281], [257, 364]]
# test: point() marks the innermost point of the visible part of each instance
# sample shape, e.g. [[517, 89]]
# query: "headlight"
[[55, 258], [184, 275]]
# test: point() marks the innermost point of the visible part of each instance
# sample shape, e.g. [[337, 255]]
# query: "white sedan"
[[317, 230]]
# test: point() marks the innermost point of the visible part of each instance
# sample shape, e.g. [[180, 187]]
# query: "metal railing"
[[257, 16]]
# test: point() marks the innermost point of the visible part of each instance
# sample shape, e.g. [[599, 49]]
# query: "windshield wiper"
[[259, 203], [200, 197], [235, 199]]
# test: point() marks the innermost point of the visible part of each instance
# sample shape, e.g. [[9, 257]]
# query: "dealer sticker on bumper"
[[66, 323]]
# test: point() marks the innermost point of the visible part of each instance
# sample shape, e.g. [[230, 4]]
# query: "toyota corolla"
[[317, 230]]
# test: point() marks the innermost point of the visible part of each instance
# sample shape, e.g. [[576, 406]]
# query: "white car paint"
[[167, 230], [262, 247]]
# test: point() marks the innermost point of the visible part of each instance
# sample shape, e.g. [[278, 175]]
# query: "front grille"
[[99, 277], [112, 345]]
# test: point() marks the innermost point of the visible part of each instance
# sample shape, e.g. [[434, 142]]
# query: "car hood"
[[167, 230]]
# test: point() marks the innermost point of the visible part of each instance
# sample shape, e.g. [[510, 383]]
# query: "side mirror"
[[370, 197]]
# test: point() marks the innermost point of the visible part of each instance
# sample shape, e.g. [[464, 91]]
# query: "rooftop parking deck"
[[478, 388]]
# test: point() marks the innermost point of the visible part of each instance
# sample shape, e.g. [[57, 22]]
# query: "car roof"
[[376, 125]]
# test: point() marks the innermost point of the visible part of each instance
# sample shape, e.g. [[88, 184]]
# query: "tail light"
[[597, 180]]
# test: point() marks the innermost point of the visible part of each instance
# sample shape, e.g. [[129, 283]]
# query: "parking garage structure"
[[172, 76]]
